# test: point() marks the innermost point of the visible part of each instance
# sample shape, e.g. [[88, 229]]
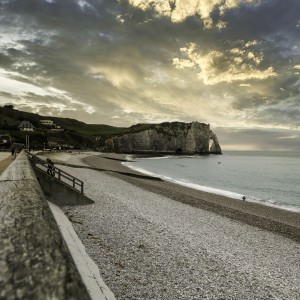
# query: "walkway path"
[[5, 160]]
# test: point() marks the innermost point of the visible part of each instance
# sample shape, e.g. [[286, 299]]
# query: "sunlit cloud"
[[260, 139], [120, 18], [236, 64], [23, 91], [13, 82], [120, 62], [180, 10], [288, 137], [118, 77], [40, 106]]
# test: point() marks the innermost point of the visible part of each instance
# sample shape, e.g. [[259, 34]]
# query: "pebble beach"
[[153, 239]]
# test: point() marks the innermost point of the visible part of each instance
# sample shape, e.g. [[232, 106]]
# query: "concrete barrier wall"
[[58, 192], [35, 262]]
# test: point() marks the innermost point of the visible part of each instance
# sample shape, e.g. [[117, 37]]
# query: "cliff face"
[[175, 137]]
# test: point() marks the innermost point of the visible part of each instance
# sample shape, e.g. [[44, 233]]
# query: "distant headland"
[[54, 133], [166, 138]]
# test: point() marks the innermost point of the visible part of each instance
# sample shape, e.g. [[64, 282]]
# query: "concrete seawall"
[[58, 192], [35, 261]]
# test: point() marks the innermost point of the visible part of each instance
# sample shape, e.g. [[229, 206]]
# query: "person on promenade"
[[51, 168], [12, 150]]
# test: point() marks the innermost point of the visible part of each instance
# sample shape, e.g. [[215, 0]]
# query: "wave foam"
[[216, 191]]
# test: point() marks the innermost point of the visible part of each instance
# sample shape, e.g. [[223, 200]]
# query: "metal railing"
[[57, 173]]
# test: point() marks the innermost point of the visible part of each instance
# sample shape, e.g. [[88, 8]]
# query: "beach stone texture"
[[34, 260], [149, 246], [175, 137]]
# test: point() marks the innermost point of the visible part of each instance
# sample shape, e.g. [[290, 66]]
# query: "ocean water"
[[272, 178]]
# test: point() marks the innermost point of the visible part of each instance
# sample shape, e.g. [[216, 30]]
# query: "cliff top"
[[173, 125]]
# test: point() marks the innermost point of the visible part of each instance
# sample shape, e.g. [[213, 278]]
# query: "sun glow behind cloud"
[[180, 10], [122, 62], [236, 64], [13, 83]]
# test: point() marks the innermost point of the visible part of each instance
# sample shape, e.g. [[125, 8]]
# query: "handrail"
[[58, 173]]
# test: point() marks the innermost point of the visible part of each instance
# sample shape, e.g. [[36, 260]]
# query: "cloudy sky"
[[234, 64]]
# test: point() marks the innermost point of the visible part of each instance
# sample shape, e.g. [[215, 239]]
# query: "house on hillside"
[[48, 123], [26, 126], [5, 141], [57, 129], [52, 126]]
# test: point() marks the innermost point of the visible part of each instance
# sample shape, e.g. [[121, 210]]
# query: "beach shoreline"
[[266, 217], [154, 239]]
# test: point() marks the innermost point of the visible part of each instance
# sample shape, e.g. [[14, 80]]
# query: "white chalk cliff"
[[174, 137]]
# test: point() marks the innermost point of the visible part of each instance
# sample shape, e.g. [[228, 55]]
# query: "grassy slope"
[[14, 118], [76, 132], [94, 130]]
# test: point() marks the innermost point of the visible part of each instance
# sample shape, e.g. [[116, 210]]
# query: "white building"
[[26, 126], [46, 122]]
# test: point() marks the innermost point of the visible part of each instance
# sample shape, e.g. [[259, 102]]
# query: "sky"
[[234, 64]]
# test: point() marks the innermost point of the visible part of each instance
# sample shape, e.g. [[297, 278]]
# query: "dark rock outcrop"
[[171, 138]]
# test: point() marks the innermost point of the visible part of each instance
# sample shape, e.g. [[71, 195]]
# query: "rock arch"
[[214, 146]]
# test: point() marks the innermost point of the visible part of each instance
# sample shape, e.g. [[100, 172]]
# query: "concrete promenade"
[[5, 160], [35, 257]]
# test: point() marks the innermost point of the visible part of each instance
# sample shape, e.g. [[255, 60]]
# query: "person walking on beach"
[[51, 168]]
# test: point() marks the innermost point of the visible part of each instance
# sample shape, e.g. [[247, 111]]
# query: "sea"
[[271, 178]]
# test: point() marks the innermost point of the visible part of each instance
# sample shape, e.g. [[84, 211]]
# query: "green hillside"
[[14, 117], [75, 133]]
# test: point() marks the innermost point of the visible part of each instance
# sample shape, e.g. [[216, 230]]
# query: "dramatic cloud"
[[236, 64], [230, 63], [180, 10], [259, 139]]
